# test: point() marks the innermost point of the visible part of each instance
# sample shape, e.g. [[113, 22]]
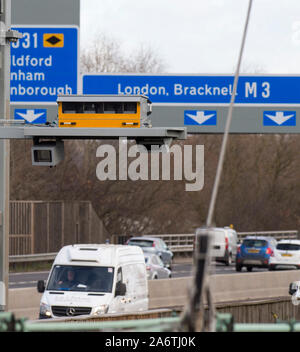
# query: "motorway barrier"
[[179, 244], [226, 289], [185, 242]]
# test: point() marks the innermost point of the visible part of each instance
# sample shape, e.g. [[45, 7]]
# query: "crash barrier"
[[170, 293], [42, 257], [278, 235], [178, 244], [185, 242], [225, 287]]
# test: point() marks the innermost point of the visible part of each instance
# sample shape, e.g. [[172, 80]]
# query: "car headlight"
[[103, 309], [45, 309]]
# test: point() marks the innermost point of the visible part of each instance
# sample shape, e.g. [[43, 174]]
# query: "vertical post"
[[32, 226], [5, 18], [194, 317], [90, 225], [62, 225], [48, 228]]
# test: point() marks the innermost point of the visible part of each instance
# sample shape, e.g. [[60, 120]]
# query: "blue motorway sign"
[[32, 116], [194, 89], [44, 63], [279, 118], [200, 117]]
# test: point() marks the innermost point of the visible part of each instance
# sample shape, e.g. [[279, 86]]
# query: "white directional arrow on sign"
[[30, 116], [200, 117], [279, 117]]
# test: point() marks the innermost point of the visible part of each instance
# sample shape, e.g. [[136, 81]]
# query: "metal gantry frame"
[[48, 140], [153, 134]]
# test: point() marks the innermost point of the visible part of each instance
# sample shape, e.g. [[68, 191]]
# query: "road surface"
[[22, 280]]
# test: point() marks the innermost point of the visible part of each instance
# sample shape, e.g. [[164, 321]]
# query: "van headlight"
[[103, 309], [45, 310]]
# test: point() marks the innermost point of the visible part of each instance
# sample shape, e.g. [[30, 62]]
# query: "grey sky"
[[201, 36]]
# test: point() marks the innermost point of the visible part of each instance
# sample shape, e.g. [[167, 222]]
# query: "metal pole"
[[5, 23], [278, 327], [227, 126], [155, 324]]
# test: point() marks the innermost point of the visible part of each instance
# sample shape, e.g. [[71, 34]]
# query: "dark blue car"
[[255, 251]]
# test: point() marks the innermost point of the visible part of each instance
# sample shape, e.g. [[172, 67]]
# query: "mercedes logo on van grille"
[[71, 311]]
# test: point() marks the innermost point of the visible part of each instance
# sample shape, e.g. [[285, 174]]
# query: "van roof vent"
[[84, 253], [84, 260]]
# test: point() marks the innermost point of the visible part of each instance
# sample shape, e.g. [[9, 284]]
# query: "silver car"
[[155, 267], [153, 245]]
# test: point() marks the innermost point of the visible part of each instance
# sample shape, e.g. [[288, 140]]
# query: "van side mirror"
[[41, 286], [120, 289]]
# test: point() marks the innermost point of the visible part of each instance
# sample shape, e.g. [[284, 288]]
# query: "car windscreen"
[[140, 243], [255, 243], [81, 278], [288, 246]]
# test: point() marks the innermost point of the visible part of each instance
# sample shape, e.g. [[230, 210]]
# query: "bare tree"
[[145, 61], [106, 55]]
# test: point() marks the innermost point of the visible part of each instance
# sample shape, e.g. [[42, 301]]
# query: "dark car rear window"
[[288, 247], [141, 243], [255, 243]]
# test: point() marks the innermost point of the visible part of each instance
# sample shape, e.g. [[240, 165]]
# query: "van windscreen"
[[81, 278]]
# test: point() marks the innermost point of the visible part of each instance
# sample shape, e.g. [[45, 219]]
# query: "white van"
[[94, 279], [224, 244]]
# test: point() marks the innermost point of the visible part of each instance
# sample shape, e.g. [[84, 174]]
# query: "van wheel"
[[238, 267], [229, 260], [249, 268]]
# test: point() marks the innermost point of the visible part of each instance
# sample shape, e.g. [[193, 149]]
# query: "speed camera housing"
[[47, 153]]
